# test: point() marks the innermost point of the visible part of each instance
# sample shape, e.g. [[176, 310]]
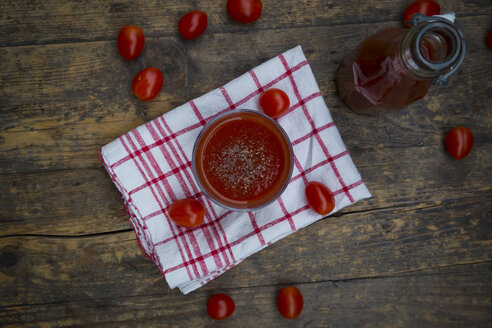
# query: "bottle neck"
[[433, 49]]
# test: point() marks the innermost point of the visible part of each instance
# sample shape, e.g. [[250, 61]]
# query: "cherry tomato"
[[459, 142], [319, 197], [489, 38], [220, 306], [147, 83], [425, 7], [193, 24], [244, 11], [274, 102], [130, 41], [290, 302], [187, 213]]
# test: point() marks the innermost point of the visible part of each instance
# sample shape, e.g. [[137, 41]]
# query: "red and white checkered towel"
[[151, 166]]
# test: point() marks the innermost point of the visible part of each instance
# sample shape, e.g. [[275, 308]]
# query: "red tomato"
[[130, 41], [489, 38], [290, 302], [459, 142], [320, 198], [220, 306], [244, 11], [193, 24], [147, 83], [425, 7], [274, 102], [187, 213]]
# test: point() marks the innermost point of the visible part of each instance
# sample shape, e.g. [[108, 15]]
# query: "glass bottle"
[[396, 66]]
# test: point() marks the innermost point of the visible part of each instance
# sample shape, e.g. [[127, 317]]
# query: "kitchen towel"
[[151, 167]]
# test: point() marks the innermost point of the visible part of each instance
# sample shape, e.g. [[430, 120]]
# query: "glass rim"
[[456, 50], [290, 163]]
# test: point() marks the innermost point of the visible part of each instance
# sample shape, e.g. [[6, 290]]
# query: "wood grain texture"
[[449, 297], [88, 202], [64, 124], [40, 22], [353, 246], [417, 254]]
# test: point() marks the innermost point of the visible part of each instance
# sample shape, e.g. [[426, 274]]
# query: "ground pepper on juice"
[[243, 160]]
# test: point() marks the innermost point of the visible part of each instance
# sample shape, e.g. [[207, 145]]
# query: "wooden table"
[[418, 253]]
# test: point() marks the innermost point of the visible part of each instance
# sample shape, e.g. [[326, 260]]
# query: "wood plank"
[[80, 202], [27, 22], [38, 270], [66, 203], [74, 102], [450, 297], [419, 253]]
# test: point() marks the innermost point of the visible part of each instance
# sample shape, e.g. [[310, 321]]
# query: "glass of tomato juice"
[[243, 160]]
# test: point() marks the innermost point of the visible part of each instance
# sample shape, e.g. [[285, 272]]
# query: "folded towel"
[[151, 166]]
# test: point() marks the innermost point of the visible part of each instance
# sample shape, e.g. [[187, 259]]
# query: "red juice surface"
[[243, 160], [372, 80]]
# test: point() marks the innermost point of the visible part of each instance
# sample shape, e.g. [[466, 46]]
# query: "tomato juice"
[[373, 75], [243, 160], [395, 67]]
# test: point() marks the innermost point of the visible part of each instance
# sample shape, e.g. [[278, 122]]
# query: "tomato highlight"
[[130, 41], [193, 24], [147, 83], [290, 302], [187, 213], [459, 142], [244, 11], [274, 102], [220, 306], [319, 197]]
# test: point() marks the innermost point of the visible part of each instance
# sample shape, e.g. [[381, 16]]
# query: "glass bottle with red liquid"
[[397, 66]]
